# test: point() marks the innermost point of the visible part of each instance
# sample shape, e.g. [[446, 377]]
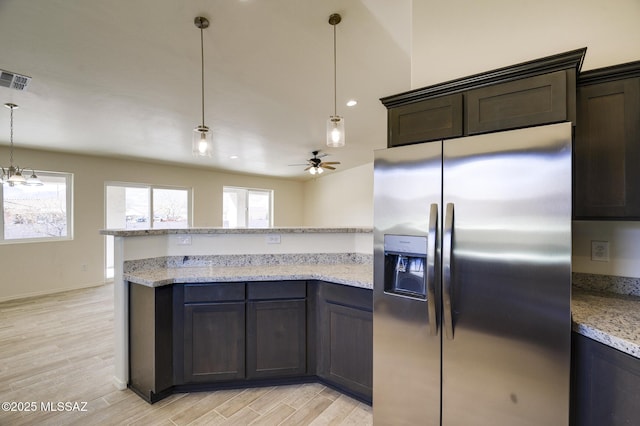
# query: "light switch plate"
[[600, 251]]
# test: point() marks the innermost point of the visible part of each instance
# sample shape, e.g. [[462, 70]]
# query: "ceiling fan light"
[[313, 171], [202, 141], [335, 131], [320, 170]]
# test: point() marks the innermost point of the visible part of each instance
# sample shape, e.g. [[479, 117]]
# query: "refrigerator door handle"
[[431, 269], [447, 252]]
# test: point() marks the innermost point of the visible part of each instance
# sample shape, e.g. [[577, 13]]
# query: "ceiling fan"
[[315, 165]]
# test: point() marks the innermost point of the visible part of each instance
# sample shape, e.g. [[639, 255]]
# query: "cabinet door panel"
[[214, 344], [426, 120], [607, 150], [347, 348], [606, 385], [520, 103], [276, 338]]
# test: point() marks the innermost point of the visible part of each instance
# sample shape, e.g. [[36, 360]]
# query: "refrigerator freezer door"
[[406, 337], [508, 360]]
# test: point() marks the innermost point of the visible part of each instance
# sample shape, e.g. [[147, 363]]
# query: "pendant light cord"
[[335, 79], [202, 63]]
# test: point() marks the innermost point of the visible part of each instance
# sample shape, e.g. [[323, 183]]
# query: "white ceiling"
[[122, 78]]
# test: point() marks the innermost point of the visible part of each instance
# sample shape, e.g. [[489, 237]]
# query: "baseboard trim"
[[51, 292]]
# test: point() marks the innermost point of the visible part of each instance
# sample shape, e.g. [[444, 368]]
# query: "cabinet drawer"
[[426, 120], [527, 102], [272, 290], [213, 292]]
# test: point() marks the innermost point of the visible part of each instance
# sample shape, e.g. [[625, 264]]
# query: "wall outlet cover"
[[273, 238], [600, 251], [184, 240]]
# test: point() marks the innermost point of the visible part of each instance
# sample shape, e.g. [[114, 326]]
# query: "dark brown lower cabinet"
[[208, 336], [605, 385], [214, 342], [276, 339], [346, 339], [150, 341]]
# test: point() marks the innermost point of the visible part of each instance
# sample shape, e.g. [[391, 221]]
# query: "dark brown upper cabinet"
[[526, 102], [426, 120], [607, 144], [522, 95]]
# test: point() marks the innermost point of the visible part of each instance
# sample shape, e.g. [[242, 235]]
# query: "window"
[[247, 208], [38, 213], [137, 206]]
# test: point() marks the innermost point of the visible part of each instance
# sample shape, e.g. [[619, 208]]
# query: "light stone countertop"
[[609, 318], [355, 275], [236, 231]]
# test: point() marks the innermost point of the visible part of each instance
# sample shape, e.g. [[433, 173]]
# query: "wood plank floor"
[[59, 348]]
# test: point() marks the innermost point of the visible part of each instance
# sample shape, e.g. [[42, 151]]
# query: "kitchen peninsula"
[[174, 277]]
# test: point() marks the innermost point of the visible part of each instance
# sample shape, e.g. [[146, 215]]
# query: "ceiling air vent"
[[14, 81]]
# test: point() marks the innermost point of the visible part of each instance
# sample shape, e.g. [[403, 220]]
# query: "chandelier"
[[12, 175]]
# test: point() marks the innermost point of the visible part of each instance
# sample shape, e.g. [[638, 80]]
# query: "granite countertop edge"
[[609, 318], [354, 275], [236, 231]]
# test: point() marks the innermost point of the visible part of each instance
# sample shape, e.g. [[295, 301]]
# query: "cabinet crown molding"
[[611, 73], [561, 61]]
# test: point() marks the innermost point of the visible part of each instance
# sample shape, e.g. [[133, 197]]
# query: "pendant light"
[[335, 123], [12, 175], [202, 138]]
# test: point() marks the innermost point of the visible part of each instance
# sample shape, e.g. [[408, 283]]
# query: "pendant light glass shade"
[[202, 141], [335, 131]]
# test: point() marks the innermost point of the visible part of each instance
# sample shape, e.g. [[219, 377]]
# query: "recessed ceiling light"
[[352, 102], [233, 157]]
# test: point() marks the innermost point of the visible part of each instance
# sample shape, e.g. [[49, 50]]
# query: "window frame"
[[247, 191], [69, 195], [151, 187]]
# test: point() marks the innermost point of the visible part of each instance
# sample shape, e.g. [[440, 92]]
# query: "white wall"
[[38, 268], [624, 247], [343, 198], [456, 38]]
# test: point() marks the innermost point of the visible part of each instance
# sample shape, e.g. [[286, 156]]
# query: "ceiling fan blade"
[[301, 164], [324, 166], [321, 155], [330, 162], [308, 168]]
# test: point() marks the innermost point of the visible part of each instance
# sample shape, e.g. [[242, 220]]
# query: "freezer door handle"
[[447, 252], [431, 269]]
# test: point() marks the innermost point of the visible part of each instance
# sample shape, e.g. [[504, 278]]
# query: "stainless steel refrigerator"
[[472, 280]]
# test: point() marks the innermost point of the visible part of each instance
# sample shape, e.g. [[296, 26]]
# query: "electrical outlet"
[[273, 238], [600, 251], [184, 240]]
